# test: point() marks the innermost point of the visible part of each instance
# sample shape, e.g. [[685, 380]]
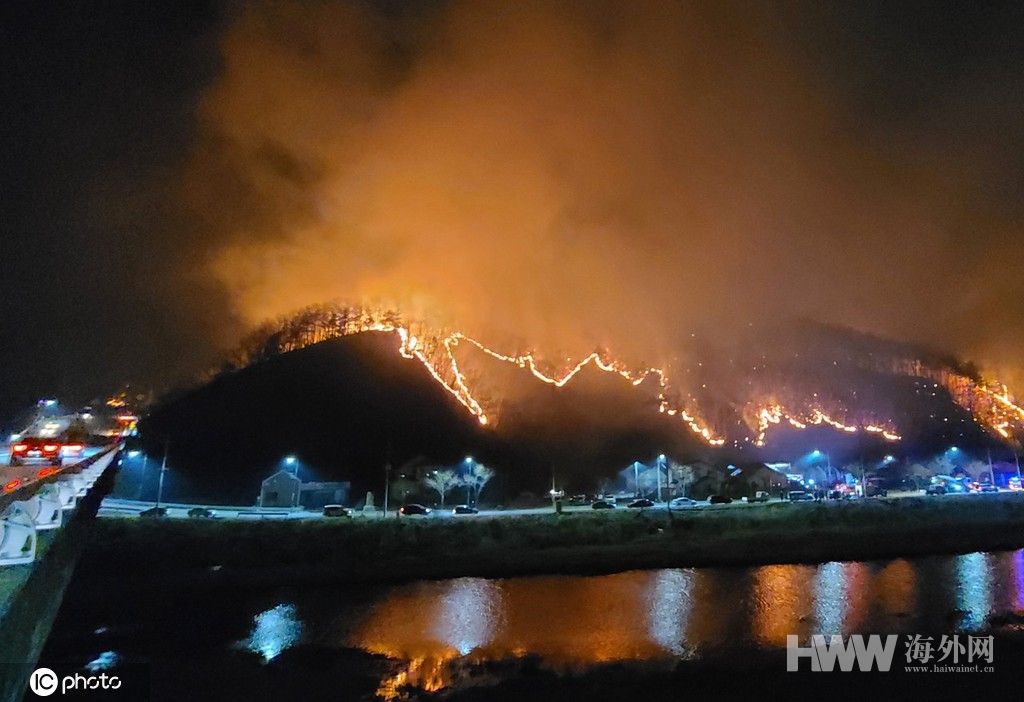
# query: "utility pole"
[[163, 470], [142, 478], [660, 462], [387, 479]]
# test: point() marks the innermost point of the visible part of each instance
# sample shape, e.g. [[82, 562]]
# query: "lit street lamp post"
[[828, 463], [660, 464], [163, 471]]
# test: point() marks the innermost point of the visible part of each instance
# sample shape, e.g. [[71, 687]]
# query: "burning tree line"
[[775, 393]]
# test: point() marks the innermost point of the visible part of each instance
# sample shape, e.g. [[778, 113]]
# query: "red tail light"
[[73, 447], [18, 448], [45, 472], [50, 447]]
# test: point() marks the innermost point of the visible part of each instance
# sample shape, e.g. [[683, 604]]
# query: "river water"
[[471, 634]]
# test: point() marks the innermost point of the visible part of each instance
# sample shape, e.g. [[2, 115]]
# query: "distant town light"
[[290, 460]]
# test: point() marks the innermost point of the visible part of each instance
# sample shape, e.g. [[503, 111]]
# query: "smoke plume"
[[622, 174]]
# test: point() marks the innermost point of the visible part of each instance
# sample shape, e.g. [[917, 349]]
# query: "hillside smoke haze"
[[613, 174]]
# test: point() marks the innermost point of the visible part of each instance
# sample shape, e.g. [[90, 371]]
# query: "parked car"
[[413, 510], [759, 496], [800, 496], [873, 488], [602, 504], [641, 503], [945, 484], [988, 487], [683, 503], [465, 509], [153, 513], [200, 513], [719, 500], [336, 511], [1014, 484]]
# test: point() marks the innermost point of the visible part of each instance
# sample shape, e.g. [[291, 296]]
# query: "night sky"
[[174, 172]]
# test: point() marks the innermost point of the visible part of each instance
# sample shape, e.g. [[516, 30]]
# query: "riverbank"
[[260, 554]]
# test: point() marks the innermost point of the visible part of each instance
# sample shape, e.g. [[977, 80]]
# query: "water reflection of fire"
[[472, 631]]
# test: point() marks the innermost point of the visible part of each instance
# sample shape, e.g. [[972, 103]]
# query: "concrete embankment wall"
[[28, 610]]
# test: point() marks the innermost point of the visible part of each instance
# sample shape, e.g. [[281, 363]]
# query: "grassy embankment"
[[351, 551]]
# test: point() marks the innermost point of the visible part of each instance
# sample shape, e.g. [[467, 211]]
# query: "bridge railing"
[[34, 504]]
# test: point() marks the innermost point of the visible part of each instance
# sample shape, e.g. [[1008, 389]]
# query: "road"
[[27, 473], [114, 507]]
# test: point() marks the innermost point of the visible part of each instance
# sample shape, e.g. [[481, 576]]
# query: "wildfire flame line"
[[412, 347], [989, 403], [775, 414]]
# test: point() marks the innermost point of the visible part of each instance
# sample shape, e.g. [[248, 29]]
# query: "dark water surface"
[[481, 638]]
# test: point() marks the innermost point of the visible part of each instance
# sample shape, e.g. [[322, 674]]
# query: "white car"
[[682, 503]]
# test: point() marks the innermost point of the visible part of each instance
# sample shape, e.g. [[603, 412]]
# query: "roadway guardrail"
[[23, 489]]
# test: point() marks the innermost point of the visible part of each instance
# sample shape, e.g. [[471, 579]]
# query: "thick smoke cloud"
[[619, 174]]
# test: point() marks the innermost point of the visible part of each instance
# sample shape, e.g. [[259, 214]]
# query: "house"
[[280, 490], [316, 495], [702, 479], [749, 478]]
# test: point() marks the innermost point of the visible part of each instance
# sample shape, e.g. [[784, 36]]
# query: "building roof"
[[278, 474], [344, 485]]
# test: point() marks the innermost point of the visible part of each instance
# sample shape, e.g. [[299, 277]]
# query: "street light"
[[294, 463], [661, 464], [817, 453], [135, 453], [163, 472]]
